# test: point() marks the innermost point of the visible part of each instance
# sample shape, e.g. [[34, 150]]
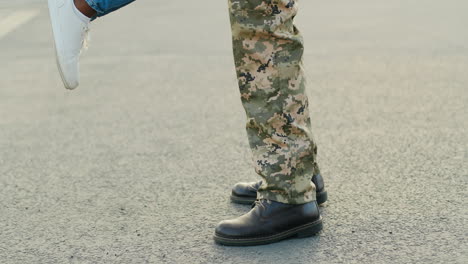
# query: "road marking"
[[15, 20]]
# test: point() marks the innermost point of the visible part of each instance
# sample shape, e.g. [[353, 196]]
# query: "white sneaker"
[[70, 28]]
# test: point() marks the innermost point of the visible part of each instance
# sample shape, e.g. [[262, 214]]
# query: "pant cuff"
[[94, 6], [287, 199]]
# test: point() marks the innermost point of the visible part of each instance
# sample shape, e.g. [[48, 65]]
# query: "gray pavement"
[[136, 165]]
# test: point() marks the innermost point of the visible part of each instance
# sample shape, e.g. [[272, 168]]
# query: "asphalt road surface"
[[137, 164]]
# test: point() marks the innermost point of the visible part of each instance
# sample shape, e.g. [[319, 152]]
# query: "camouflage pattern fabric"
[[268, 52]]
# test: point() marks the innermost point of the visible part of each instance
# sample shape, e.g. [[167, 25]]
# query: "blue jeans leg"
[[104, 7]]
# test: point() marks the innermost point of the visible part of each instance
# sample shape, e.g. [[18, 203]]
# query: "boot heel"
[[310, 231], [322, 197]]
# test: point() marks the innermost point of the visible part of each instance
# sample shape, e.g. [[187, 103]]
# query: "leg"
[[268, 52], [85, 8]]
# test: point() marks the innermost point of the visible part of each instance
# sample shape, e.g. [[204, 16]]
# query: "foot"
[[270, 222], [70, 28], [246, 193]]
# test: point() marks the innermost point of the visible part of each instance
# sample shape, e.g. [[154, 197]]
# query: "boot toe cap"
[[226, 229], [246, 189]]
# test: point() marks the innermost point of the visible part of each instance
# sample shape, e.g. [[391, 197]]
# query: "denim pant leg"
[[104, 7]]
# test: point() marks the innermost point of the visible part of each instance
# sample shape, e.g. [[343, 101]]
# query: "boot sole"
[[322, 197], [303, 231]]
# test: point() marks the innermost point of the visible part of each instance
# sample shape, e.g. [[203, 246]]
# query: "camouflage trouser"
[[268, 52]]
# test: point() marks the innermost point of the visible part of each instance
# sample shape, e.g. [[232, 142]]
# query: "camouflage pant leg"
[[268, 52]]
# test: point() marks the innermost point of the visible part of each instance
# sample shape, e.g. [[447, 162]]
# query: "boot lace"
[[260, 203]]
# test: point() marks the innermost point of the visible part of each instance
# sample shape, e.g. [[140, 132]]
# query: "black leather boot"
[[246, 193], [270, 222]]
